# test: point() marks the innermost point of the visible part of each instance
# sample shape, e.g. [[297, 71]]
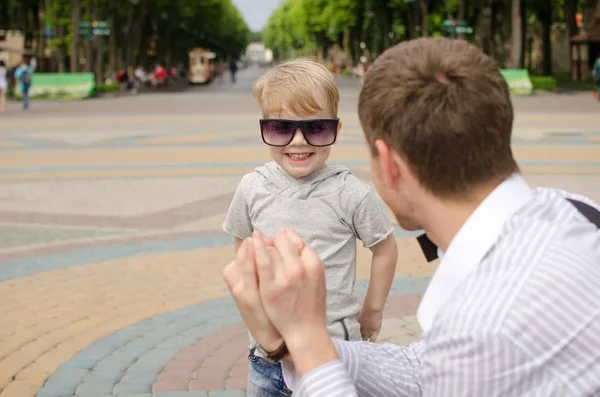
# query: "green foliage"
[[286, 29]]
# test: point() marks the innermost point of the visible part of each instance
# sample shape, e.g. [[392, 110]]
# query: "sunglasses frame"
[[299, 124]]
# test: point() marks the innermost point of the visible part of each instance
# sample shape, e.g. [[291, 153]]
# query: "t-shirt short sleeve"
[[371, 222], [237, 222]]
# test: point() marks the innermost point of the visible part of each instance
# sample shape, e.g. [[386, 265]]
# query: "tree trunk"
[[487, 23], [424, 14], [27, 29], [385, 19], [113, 49], [524, 34], [135, 38], [38, 35], [570, 8], [462, 14], [516, 36], [408, 22], [546, 19], [61, 48], [353, 42], [75, 16], [126, 45]]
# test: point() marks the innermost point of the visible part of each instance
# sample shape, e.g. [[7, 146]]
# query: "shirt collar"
[[470, 245]]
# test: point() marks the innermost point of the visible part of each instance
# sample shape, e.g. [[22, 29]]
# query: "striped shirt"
[[512, 310]]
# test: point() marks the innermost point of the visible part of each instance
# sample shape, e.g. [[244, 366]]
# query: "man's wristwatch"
[[276, 356]]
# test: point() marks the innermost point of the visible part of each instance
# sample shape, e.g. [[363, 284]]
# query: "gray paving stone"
[[115, 362], [105, 376], [82, 362], [63, 382], [135, 395], [131, 332], [97, 351], [139, 377], [93, 395], [149, 341], [181, 394], [106, 346], [87, 389], [68, 375], [132, 388], [56, 390], [135, 351], [176, 342], [227, 393], [158, 354], [154, 321], [146, 367], [208, 328]]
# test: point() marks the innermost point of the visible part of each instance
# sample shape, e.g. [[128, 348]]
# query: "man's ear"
[[388, 165]]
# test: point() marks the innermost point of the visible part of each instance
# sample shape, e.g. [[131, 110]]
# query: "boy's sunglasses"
[[316, 132]]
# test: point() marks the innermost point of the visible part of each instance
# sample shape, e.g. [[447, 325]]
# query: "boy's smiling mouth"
[[299, 156]]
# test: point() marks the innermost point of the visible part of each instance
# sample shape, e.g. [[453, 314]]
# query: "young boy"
[[328, 206]]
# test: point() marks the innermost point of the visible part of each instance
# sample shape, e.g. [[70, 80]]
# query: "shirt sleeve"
[[370, 221], [491, 365], [238, 222], [363, 369]]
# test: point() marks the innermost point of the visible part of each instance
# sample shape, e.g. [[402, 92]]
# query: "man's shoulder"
[[547, 253], [547, 211]]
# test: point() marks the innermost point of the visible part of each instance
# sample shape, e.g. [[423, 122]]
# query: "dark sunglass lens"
[[321, 132], [277, 132]]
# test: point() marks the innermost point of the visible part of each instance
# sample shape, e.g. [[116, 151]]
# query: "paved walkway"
[[110, 243]]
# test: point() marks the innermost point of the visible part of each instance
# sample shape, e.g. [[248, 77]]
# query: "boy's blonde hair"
[[296, 84]]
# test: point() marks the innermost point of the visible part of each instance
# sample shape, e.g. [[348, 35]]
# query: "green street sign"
[[101, 32], [87, 29], [100, 24], [457, 27], [464, 30]]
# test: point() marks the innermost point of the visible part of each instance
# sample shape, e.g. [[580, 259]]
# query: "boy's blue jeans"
[[265, 379], [25, 98]]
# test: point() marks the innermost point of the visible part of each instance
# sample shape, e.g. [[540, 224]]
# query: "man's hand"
[[370, 324], [241, 278], [292, 288]]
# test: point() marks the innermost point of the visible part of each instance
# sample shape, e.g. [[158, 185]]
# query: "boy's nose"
[[299, 139]]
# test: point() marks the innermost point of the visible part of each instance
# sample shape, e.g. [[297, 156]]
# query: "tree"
[[141, 31]]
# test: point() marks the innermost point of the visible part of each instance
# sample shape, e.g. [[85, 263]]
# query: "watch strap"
[[279, 354]]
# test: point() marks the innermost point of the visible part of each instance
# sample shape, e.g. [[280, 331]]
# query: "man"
[[596, 76], [512, 309], [233, 68], [24, 76]]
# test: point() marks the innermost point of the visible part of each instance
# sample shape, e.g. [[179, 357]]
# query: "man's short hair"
[[444, 105], [296, 84]]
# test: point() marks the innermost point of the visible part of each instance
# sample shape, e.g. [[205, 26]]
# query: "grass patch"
[[107, 88], [563, 80], [544, 83], [560, 81]]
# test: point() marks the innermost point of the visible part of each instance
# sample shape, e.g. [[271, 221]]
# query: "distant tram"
[[202, 66]]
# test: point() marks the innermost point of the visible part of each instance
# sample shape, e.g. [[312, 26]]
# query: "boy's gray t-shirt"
[[329, 209]]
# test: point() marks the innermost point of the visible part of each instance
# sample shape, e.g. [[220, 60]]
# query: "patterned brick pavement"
[[111, 249]]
